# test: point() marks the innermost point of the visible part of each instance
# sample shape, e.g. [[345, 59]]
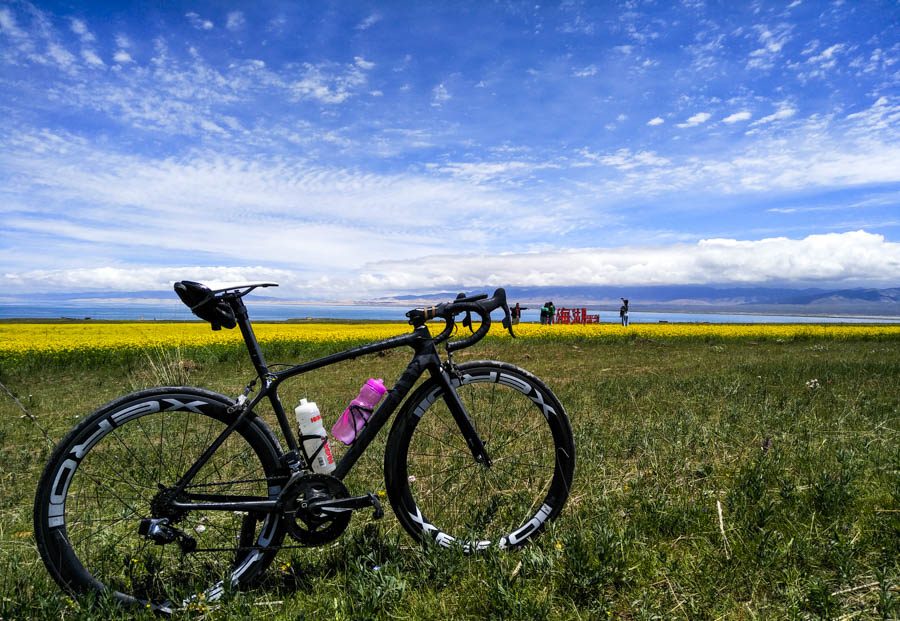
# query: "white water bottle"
[[310, 423]]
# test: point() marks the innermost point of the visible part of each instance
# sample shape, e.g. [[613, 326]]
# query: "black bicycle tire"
[[50, 527], [397, 477]]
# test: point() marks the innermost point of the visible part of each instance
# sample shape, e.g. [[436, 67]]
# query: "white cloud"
[[122, 57], [75, 193], [737, 116], [833, 258], [331, 83], [587, 72], [625, 159], [785, 112], [9, 26], [480, 172], [697, 119], [91, 58], [655, 121], [235, 21], [772, 43], [368, 22], [440, 94], [81, 29], [853, 257], [810, 47], [819, 65], [198, 22], [61, 55], [851, 152], [141, 278]]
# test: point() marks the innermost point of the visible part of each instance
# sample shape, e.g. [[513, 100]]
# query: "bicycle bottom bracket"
[[307, 517]]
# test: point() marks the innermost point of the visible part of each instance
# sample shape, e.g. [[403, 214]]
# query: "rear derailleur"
[[161, 532]]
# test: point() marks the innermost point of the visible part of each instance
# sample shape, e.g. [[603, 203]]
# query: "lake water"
[[262, 311]]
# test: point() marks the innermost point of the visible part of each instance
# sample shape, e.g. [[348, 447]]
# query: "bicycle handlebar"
[[480, 304]]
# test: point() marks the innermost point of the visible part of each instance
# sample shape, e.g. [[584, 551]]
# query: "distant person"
[[517, 313], [551, 312], [623, 314], [545, 313]]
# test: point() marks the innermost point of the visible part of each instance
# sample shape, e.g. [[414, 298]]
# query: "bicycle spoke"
[[537, 426]]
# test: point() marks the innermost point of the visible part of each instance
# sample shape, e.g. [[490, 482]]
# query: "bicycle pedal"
[[376, 504]]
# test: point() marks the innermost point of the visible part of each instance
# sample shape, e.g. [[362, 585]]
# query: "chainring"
[[306, 525]]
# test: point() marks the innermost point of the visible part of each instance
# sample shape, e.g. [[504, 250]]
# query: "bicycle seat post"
[[243, 320]]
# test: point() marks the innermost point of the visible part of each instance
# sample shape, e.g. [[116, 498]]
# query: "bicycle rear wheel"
[[440, 493], [111, 472]]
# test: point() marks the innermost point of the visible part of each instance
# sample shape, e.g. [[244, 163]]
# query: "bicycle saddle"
[[204, 303]]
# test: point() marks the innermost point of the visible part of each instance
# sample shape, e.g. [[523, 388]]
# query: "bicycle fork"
[[461, 416]]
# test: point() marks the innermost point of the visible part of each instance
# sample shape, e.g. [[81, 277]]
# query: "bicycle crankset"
[[317, 507]]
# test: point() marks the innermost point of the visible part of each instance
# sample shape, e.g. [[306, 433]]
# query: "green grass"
[[668, 433]]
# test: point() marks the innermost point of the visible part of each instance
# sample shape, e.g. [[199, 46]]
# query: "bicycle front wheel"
[[113, 474], [440, 493]]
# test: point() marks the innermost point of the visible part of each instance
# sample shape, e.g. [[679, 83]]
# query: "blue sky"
[[355, 149]]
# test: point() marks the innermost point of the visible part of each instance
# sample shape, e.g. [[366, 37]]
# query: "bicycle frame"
[[425, 358]]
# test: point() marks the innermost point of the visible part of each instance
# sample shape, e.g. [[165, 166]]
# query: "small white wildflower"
[[812, 384]]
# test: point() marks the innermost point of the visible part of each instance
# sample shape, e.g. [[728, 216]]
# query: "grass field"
[[740, 476]]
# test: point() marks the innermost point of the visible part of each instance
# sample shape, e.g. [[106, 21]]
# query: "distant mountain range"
[[688, 298], [704, 298]]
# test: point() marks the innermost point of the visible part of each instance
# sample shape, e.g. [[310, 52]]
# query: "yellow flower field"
[[23, 338]]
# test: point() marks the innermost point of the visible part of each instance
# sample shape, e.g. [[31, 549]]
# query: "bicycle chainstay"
[[318, 500]]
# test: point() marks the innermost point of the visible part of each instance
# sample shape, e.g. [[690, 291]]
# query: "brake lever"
[[507, 315], [467, 320]]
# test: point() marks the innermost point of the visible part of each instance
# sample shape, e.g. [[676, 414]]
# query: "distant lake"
[[269, 311]]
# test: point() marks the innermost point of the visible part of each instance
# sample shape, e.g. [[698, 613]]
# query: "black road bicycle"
[[174, 493]]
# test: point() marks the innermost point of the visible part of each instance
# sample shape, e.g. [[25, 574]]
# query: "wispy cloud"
[[368, 22], [330, 83], [772, 41], [697, 119], [9, 26], [439, 95], [235, 21], [198, 22], [81, 29], [743, 115]]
